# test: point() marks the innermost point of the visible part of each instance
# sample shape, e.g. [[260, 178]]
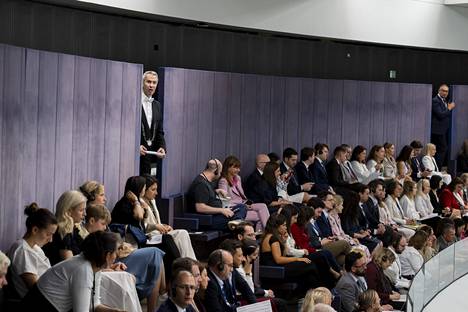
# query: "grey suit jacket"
[[349, 291]]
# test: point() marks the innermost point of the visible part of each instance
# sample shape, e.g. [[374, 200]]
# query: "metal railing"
[[437, 274]]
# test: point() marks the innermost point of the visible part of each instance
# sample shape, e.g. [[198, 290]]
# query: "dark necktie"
[[350, 169], [399, 207], [361, 285], [228, 292]]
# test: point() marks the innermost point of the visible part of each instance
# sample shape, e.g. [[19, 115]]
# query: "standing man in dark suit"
[[441, 120], [182, 291], [152, 134]]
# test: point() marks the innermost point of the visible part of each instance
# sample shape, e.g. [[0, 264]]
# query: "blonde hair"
[[316, 296], [419, 186], [338, 200], [382, 255], [4, 261], [408, 187], [69, 201], [91, 189], [428, 147]]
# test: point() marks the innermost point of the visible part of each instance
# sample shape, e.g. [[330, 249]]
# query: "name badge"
[[149, 143]]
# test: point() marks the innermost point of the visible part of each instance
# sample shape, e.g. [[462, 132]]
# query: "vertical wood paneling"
[[46, 120], [61, 124], [459, 119], [261, 114]]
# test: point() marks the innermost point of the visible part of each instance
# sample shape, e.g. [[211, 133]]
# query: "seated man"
[[319, 240], [319, 172], [353, 283], [183, 289], [349, 175], [303, 168], [203, 198], [255, 178], [447, 237], [288, 171], [417, 167], [335, 172], [220, 295]]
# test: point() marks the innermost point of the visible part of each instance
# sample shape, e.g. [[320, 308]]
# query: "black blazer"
[[320, 176], [440, 116], [214, 300], [293, 184], [250, 185], [314, 239], [435, 203], [169, 306], [324, 225], [155, 128], [335, 175], [372, 214], [416, 166]]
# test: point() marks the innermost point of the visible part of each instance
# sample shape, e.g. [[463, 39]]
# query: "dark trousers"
[[219, 221], [35, 301], [440, 141]]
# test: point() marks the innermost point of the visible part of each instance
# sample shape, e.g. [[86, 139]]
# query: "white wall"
[[422, 23]]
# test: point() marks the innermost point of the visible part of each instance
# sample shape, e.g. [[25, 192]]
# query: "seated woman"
[[403, 162], [28, 260], [369, 301], [354, 223], [267, 190], [74, 284], [319, 295], [377, 280], [181, 238], [389, 162], [407, 201], [451, 197], [337, 229], [300, 233], [436, 185], [411, 259], [428, 251], [358, 163], [422, 200], [375, 160], [231, 183], [394, 191], [145, 264], [300, 270], [430, 164]]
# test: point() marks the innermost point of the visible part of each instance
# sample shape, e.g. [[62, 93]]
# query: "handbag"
[[137, 233]]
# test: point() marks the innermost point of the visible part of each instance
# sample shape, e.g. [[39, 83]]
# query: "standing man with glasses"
[[441, 120], [152, 134]]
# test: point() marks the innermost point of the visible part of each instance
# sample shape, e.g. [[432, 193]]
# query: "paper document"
[[160, 155], [264, 306], [154, 240], [403, 284], [402, 299], [432, 215]]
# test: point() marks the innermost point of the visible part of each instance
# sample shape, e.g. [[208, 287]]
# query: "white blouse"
[[423, 205], [363, 174], [409, 208], [411, 261], [26, 259], [70, 284]]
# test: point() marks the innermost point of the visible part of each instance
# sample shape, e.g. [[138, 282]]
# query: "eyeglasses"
[[187, 287]]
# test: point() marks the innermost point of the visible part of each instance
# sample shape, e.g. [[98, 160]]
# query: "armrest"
[[267, 271], [190, 224], [203, 219]]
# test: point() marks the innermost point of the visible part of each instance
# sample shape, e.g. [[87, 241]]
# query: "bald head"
[[213, 169], [261, 160]]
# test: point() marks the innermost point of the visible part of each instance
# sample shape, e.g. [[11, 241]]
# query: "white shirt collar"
[[306, 165], [260, 171], [287, 167], [145, 99], [374, 200], [179, 309]]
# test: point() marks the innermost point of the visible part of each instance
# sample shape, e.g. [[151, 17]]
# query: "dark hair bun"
[[30, 209]]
